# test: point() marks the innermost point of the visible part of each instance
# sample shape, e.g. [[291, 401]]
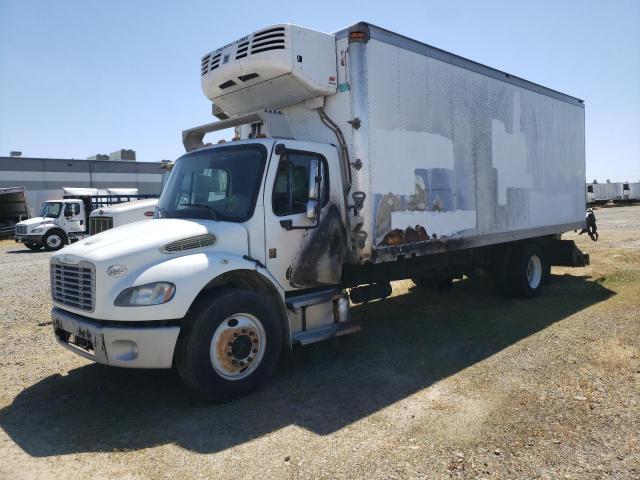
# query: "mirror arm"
[[288, 224]]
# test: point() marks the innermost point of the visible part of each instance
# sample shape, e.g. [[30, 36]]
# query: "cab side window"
[[71, 209], [291, 186]]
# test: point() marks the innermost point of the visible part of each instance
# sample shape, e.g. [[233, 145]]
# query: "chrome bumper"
[[117, 346]]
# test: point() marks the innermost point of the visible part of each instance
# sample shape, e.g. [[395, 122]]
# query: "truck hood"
[[144, 239], [35, 221]]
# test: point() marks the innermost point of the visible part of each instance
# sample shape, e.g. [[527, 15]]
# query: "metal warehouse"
[[44, 178], [38, 174]]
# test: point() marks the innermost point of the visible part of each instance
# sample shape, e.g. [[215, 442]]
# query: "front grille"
[[99, 224], [21, 230], [73, 285], [199, 241]]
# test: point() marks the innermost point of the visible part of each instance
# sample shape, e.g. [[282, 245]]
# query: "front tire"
[[54, 240], [33, 246], [229, 346]]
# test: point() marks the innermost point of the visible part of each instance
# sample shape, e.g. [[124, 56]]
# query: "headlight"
[[37, 230], [149, 294]]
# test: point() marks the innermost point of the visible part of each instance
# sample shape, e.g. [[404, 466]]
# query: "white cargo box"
[[272, 68], [472, 154]]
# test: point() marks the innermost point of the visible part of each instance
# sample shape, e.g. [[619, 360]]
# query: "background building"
[[44, 178]]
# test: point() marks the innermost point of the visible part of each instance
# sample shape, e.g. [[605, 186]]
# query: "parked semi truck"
[[66, 220], [359, 158], [116, 215]]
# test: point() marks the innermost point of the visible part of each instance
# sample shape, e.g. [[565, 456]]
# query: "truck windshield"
[[220, 183], [51, 209]]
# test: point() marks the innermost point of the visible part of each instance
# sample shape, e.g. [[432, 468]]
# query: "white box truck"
[[359, 158]]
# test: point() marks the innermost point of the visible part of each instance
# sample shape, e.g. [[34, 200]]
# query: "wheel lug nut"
[[244, 330], [241, 364], [229, 354], [249, 359], [229, 344], [235, 334], [255, 350], [234, 361]]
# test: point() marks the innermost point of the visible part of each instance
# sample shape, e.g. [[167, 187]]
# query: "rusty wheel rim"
[[237, 346]]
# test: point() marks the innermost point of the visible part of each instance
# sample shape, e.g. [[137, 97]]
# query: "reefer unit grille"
[[270, 39], [21, 230], [73, 285], [99, 224]]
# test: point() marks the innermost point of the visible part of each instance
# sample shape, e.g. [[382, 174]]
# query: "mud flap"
[[565, 253]]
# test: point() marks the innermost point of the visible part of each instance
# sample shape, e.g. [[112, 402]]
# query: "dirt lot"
[[460, 384]]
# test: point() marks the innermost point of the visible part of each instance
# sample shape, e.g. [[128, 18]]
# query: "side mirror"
[[312, 209], [314, 179], [315, 182]]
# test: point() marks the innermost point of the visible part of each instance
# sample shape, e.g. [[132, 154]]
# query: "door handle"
[[286, 224]]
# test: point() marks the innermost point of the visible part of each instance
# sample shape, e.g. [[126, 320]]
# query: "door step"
[[324, 333]]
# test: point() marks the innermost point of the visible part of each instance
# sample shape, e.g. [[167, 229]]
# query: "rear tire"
[[528, 267], [229, 346], [33, 246]]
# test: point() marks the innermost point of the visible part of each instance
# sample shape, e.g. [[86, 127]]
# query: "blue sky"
[[83, 77]]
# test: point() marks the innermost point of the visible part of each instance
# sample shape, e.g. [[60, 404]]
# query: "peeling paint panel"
[[440, 223]]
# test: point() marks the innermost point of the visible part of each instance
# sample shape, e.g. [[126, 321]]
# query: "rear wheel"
[[528, 269], [33, 246], [230, 345], [54, 240]]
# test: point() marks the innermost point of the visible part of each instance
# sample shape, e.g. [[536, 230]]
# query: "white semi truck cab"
[[58, 223], [357, 160], [112, 216]]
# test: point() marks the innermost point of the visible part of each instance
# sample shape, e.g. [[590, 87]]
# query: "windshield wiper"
[[214, 214]]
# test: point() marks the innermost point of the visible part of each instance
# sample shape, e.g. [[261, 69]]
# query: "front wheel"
[[54, 240], [33, 246], [229, 346]]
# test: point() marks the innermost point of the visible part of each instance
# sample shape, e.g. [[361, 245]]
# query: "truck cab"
[[58, 223], [280, 192]]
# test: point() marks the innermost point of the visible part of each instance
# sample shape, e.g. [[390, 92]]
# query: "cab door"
[[305, 237], [73, 217]]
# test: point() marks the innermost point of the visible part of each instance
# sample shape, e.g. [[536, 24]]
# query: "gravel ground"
[[462, 384]]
